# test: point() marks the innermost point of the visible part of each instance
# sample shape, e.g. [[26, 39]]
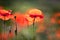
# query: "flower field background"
[[29, 20]]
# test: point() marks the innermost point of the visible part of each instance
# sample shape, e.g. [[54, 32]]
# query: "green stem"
[[16, 28], [33, 22], [33, 27]]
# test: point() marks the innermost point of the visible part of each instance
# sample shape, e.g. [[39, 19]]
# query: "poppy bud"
[[15, 17]]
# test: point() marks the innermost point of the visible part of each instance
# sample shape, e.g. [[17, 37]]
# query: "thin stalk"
[[33, 28], [33, 22], [16, 28], [3, 27]]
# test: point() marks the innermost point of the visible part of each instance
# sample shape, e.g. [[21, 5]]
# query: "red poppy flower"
[[56, 18], [34, 13], [58, 33], [5, 15], [21, 19]]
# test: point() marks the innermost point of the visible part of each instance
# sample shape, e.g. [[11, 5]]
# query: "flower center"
[[6, 14]]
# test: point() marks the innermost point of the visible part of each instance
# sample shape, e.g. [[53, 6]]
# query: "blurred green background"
[[23, 5]]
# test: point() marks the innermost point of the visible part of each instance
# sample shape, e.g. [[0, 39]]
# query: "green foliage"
[[1, 26], [8, 23]]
